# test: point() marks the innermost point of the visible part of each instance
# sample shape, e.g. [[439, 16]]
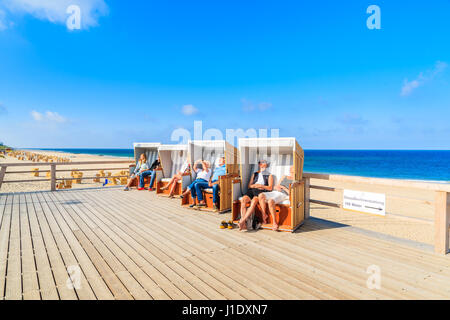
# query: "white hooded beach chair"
[[173, 159], [212, 150], [151, 151], [281, 154]]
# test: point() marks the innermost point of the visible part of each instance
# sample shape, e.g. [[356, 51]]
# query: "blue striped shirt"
[[219, 171]]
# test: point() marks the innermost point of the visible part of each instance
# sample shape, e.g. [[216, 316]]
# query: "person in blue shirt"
[[220, 170]]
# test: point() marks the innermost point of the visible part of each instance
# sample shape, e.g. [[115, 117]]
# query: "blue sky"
[[138, 70]]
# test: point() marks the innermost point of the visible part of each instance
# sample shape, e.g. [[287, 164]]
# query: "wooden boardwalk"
[[135, 245]]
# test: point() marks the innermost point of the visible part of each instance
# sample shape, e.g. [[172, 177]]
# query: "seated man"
[[220, 170], [280, 194], [176, 177], [260, 183], [150, 171], [201, 181]]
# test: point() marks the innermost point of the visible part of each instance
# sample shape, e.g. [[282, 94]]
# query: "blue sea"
[[400, 164]]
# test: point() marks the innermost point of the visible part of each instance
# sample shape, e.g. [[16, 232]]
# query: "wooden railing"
[[440, 204], [53, 171]]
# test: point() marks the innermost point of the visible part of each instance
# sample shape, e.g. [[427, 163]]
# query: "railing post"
[[53, 177], [2, 174], [307, 196], [441, 222]]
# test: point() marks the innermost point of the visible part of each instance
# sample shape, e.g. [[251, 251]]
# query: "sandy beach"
[[410, 212], [45, 185], [394, 224]]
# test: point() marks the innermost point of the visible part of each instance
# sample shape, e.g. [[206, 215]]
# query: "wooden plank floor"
[[110, 244]]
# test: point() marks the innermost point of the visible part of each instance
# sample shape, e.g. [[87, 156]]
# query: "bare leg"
[[244, 202], [271, 205], [174, 185], [130, 181], [167, 186], [250, 210], [171, 191], [170, 183], [188, 189], [262, 203]]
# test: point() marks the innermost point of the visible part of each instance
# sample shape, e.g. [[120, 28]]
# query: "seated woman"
[[176, 178], [201, 181], [260, 183], [280, 194], [140, 168], [213, 183]]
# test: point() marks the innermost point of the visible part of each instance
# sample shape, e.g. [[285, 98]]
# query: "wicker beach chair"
[[151, 151], [172, 157], [281, 153], [212, 150]]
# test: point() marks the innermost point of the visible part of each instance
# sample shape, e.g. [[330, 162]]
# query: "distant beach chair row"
[[240, 165], [36, 157]]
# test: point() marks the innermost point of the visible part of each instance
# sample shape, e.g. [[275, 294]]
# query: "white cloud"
[[189, 110], [3, 23], [54, 116], [249, 106], [37, 116], [55, 10], [410, 86], [47, 116]]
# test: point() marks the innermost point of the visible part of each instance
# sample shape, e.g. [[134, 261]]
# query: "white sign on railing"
[[368, 202]]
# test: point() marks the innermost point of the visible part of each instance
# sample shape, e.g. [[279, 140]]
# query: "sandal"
[[230, 224], [224, 225]]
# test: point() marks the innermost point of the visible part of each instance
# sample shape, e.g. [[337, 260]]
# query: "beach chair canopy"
[[173, 157], [280, 153], [212, 150], [149, 148]]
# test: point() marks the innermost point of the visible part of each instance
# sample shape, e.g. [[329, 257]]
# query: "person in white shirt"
[[278, 195], [140, 168], [177, 177], [201, 182]]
